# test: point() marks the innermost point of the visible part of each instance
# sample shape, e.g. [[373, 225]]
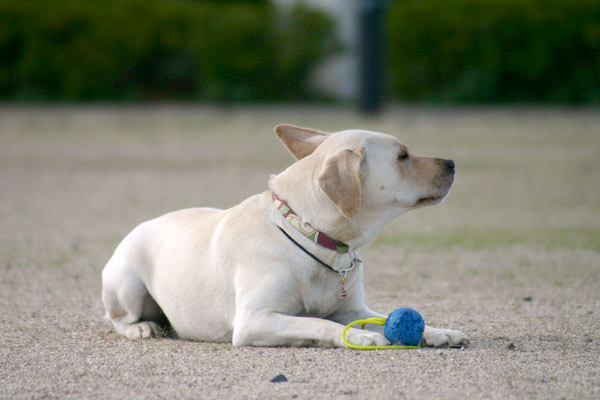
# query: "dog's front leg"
[[275, 329], [346, 317]]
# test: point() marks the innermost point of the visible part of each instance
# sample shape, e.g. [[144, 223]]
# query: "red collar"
[[307, 229]]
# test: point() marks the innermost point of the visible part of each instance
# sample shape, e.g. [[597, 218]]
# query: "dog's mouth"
[[426, 201], [431, 200]]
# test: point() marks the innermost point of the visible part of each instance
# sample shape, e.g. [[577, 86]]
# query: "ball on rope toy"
[[403, 328]]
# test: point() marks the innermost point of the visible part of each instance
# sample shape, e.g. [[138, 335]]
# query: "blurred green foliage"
[[495, 51], [232, 50], [158, 49]]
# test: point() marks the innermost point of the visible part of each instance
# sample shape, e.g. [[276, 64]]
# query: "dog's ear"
[[301, 142], [339, 179]]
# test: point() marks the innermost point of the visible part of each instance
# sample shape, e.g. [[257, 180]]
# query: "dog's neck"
[[306, 229], [320, 212]]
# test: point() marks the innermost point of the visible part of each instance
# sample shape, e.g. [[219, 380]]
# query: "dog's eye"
[[403, 156]]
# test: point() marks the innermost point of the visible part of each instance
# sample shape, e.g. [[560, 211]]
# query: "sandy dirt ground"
[[511, 258]]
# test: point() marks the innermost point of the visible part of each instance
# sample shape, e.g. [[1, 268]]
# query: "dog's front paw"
[[366, 338], [436, 337]]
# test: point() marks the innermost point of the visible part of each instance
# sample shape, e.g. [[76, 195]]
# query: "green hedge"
[[157, 49], [495, 50]]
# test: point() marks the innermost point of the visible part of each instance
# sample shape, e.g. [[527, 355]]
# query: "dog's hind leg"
[[129, 306]]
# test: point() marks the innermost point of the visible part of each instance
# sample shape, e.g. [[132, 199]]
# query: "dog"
[[281, 268]]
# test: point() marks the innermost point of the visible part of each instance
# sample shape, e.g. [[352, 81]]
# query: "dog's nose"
[[450, 164]]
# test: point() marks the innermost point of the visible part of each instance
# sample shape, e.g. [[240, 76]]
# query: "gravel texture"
[[512, 258]]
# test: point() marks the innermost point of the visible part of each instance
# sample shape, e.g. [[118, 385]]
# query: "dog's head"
[[362, 169]]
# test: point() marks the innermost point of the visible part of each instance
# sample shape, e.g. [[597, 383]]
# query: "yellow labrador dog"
[[282, 267]]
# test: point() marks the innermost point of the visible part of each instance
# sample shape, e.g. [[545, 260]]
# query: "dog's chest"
[[321, 296]]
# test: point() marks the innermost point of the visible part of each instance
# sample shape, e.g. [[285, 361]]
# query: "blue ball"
[[404, 326]]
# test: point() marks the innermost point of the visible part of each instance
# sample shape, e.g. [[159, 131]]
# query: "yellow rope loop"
[[372, 321]]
